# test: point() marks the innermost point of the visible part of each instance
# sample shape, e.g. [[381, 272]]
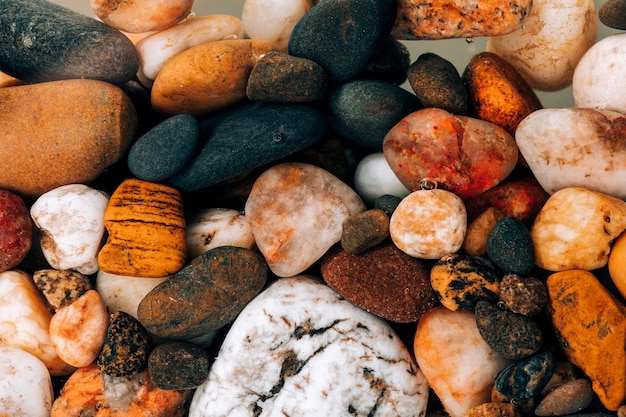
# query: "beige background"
[[457, 51]]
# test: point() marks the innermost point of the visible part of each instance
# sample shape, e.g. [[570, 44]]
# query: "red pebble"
[[15, 230]]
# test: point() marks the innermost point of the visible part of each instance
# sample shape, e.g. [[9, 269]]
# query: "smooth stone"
[[178, 365], [205, 78], [391, 63], [420, 145], [522, 295], [212, 227], [475, 242], [139, 16], [25, 384], [584, 150], [281, 78], [616, 264], [273, 20], [363, 111], [429, 224], [146, 230], [25, 320], [564, 372], [90, 391], [549, 45], [205, 295], [384, 281], [296, 212], [387, 203], [61, 288], [156, 49], [437, 83], [78, 330], [590, 325], [510, 246], [165, 149], [124, 293], [42, 41], [57, 212], [461, 281], [569, 398], [363, 231], [275, 360], [374, 178], [575, 229], [247, 137], [450, 352], [62, 132], [343, 36], [126, 347], [15, 230], [525, 378], [612, 13], [598, 72], [494, 410], [444, 19]]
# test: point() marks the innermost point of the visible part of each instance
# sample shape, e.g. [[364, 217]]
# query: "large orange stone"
[[591, 327]]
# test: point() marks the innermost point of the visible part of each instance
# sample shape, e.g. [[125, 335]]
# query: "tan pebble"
[[563, 372], [207, 77], [494, 410], [136, 16], [475, 242], [61, 288], [621, 412], [617, 264], [569, 398], [7, 81], [78, 330], [146, 226]]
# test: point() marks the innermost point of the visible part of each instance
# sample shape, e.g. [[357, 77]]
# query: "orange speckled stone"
[[146, 227], [207, 77], [591, 327]]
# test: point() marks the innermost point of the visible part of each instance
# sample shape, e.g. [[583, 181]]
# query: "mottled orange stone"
[[62, 132], [591, 327], [146, 227]]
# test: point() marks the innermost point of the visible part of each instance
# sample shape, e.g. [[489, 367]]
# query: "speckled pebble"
[[613, 14], [126, 349], [387, 203], [525, 378], [523, 295], [569, 398], [178, 365], [510, 246], [494, 410], [364, 230]]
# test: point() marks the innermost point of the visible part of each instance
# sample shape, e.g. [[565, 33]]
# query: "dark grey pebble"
[[523, 295], [42, 41], [178, 365], [525, 378], [390, 64], [613, 14], [387, 203], [510, 246]]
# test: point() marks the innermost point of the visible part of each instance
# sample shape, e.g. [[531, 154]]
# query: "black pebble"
[[510, 246], [526, 378]]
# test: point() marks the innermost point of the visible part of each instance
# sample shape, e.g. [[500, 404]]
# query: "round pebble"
[[137, 16], [61, 288], [178, 365], [522, 295], [569, 398], [374, 178], [387, 203], [510, 246], [478, 231], [612, 13], [126, 347], [525, 378]]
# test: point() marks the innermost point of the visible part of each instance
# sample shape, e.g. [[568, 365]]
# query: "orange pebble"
[[617, 264], [146, 226]]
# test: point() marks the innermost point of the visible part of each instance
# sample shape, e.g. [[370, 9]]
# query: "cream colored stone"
[[137, 16], [124, 293]]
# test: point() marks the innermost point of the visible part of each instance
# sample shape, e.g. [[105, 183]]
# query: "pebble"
[[548, 46], [510, 246], [248, 137], [157, 48], [450, 352], [437, 83], [525, 378], [165, 149], [478, 230], [429, 224], [281, 78], [139, 16], [612, 13], [342, 36], [494, 410], [363, 111], [61, 288], [126, 347], [296, 212], [590, 325], [449, 151], [522, 295], [124, 293], [42, 41], [598, 71], [461, 281], [178, 366], [146, 230], [15, 230], [62, 132], [512, 335], [575, 229], [384, 281], [616, 267], [583, 152], [569, 398], [71, 221], [277, 355], [363, 231], [563, 372], [78, 330], [445, 19], [205, 295], [374, 178], [25, 384], [391, 63], [387, 203]]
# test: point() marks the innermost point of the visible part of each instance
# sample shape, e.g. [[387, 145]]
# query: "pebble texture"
[[364, 230], [568, 398], [61, 288], [276, 359], [125, 350], [178, 365], [612, 13], [522, 295], [42, 41]]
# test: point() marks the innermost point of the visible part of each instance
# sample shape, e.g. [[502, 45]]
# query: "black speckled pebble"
[[510, 246], [613, 14], [363, 111], [390, 64], [343, 35], [165, 149], [42, 41], [525, 378], [523, 295], [387, 203], [511, 335], [126, 349], [178, 365], [249, 136]]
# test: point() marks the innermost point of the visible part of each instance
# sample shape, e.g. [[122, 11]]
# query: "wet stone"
[[510, 246], [364, 230], [390, 64], [126, 349], [613, 14], [178, 365], [15, 230], [61, 288], [568, 398], [511, 335], [387, 203], [523, 295], [525, 378]]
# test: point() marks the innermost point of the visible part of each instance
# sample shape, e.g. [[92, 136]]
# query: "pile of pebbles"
[[213, 215]]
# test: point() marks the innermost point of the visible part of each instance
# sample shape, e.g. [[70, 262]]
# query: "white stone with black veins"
[[299, 349]]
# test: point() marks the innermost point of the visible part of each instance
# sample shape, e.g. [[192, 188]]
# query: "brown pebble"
[[364, 230], [522, 295], [475, 243], [569, 398], [525, 406], [563, 372], [612, 13], [493, 410], [621, 412], [178, 365], [61, 288]]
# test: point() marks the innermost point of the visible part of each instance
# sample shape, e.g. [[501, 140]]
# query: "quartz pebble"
[[213, 227], [124, 293], [178, 365], [522, 295], [363, 231], [525, 378], [475, 242], [373, 178], [569, 398], [510, 246], [56, 212], [138, 16], [125, 350], [61, 288], [15, 230], [612, 13], [277, 355]]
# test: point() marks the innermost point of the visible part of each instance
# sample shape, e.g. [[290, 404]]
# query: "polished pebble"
[[525, 378], [478, 230], [522, 295], [126, 347], [617, 259], [138, 16], [212, 227], [178, 366], [61, 288], [124, 293], [569, 398], [373, 178], [612, 13], [510, 246], [15, 230], [363, 231]]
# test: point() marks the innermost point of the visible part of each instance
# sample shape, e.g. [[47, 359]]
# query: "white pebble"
[[123, 293], [213, 227], [373, 178]]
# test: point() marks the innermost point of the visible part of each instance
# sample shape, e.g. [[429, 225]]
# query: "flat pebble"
[[384, 281], [126, 347], [522, 295], [363, 231], [61, 288], [373, 178], [569, 398], [124, 293], [525, 378], [277, 356], [15, 230], [612, 13], [212, 227], [510, 246], [178, 365], [138, 16], [475, 242]]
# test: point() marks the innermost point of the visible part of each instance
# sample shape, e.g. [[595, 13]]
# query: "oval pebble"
[[494, 409], [15, 230], [124, 293], [612, 13], [374, 178], [126, 347], [525, 378], [616, 264], [569, 398], [178, 365], [510, 246], [364, 230], [138, 16], [522, 295], [475, 242]]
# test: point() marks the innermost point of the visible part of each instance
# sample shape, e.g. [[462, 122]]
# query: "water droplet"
[[277, 137], [469, 40]]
